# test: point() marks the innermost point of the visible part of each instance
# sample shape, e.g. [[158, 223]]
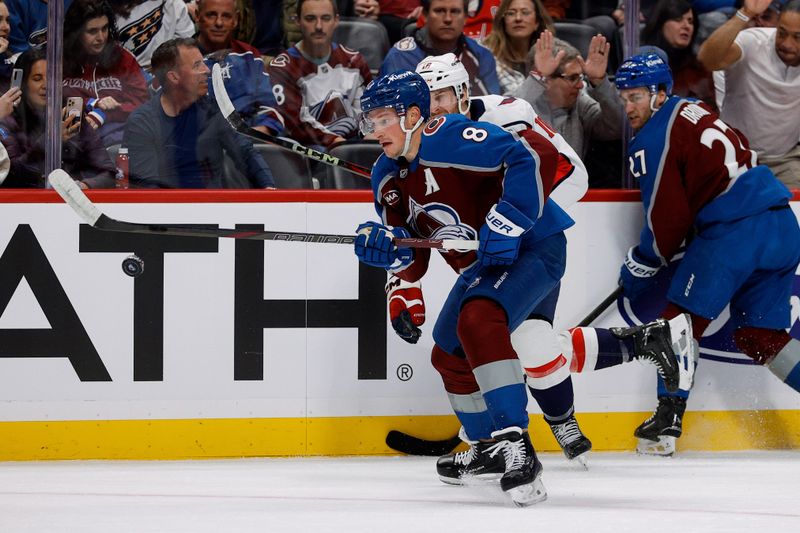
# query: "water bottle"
[[122, 169]]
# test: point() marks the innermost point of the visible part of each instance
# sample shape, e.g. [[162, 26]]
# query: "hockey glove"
[[637, 273], [374, 246], [500, 236], [406, 308]]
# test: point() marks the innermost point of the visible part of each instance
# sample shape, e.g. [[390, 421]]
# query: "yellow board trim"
[[259, 437]]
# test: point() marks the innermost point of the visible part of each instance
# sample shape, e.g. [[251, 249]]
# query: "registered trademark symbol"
[[405, 372]]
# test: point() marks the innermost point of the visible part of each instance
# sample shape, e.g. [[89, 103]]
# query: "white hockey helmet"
[[444, 71]]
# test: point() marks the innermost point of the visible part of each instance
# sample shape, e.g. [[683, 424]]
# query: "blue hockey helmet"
[[644, 70], [398, 90]]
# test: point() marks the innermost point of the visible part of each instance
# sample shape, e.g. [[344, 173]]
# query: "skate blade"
[[685, 348], [664, 446], [580, 460], [526, 495]]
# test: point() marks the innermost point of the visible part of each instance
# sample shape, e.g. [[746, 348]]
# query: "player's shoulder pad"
[[507, 112], [694, 111], [405, 44], [454, 139]]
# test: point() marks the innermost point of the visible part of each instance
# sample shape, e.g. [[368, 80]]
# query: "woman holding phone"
[[23, 131], [100, 70], [10, 94]]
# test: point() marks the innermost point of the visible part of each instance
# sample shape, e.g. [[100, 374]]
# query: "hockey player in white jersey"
[[535, 340]]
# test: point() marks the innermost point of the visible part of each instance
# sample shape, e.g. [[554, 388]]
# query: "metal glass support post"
[[55, 33], [631, 46]]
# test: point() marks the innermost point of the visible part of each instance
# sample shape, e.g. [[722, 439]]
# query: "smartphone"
[[75, 107], [16, 77]]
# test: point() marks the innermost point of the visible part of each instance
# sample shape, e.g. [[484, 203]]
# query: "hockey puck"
[[133, 266]]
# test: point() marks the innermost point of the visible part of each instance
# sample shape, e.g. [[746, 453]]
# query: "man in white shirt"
[[762, 83]]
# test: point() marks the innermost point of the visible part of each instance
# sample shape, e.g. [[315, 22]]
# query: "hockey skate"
[[572, 441], [476, 462], [657, 434], [668, 345], [523, 471]]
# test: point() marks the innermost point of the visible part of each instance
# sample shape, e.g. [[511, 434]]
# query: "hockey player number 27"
[[632, 164], [722, 135]]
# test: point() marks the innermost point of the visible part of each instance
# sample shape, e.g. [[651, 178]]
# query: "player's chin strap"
[[653, 97], [409, 133], [460, 93]]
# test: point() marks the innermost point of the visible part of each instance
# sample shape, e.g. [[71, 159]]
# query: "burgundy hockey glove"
[[406, 308]]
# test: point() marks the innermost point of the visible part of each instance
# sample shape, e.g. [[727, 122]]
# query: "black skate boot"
[[571, 439], [475, 462], [523, 478], [657, 434], [668, 345]]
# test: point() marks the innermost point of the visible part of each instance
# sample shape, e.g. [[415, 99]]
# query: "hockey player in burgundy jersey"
[[700, 185], [454, 177], [535, 341], [318, 83]]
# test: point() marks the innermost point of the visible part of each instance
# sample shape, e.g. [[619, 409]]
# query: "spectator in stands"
[[318, 83], [516, 27], [6, 58], [144, 24], [443, 33], [555, 89], [10, 97], [216, 22], [478, 24], [291, 21], [247, 84], [99, 70], [671, 27], [176, 140], [762, 83], [22, 133], [395, 15], [28, 19]]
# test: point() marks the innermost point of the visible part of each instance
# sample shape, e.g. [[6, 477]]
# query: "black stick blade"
[[404, 443]]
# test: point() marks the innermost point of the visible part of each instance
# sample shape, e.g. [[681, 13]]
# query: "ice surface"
[[693, 492]]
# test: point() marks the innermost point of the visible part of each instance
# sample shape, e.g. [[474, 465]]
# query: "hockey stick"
[[238, 123], [410, 445], [600, 309], [80, 203]]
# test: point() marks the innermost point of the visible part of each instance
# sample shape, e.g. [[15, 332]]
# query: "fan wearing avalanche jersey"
[[700, 185], [318, 83], [455, 178]]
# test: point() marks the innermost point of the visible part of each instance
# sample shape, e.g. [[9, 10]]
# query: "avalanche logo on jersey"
[[438, 221], [335, 113], [717, 343], [137, 35]]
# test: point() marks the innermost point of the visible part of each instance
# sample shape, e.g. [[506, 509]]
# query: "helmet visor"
[[376, 120]]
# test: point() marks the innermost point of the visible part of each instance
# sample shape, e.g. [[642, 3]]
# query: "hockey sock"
[[662, 390], [786, 365], [598, 348], [484, 335], [556, 402], [463, 392]]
